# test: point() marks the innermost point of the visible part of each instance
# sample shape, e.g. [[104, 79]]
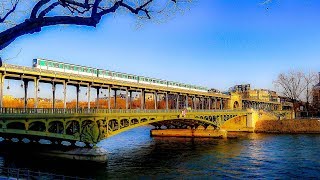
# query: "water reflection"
[[134, 154]]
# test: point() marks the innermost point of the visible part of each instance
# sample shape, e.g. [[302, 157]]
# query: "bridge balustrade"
[[94, 111]]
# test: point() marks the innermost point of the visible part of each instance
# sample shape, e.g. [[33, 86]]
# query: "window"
[[42, 63], [61, 66], [76, 68]]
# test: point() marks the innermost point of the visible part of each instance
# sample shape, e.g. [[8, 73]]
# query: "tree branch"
[[9, 12], [38, 16], [48, 9]]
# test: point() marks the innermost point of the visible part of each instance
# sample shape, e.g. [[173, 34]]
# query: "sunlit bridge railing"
[[5, 110]]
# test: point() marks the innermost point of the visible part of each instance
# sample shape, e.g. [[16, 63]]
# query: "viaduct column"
[[1, 89], [143, 99], [210, 101], [25, 84], [202, 102], [221, 103], [77, 98], [36, 87], [187, 101], [130, 100], [115, 99], [215, 103], [155, 100], [127, 98], [65, 95], [53, 95], [88, 95], [177, 105], [109, 98], [167, 101], [98, 97]]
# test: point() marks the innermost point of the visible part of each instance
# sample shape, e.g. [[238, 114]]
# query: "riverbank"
[[288, 126]]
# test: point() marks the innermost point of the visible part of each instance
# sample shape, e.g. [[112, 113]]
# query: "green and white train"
[[89, 71]]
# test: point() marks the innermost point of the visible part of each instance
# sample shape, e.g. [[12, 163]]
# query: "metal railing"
[[11, 173], [5, 110]]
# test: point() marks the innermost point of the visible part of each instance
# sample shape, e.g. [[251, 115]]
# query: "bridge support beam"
[[109, 98], [98, 98], [77, 97], [143, 99], [187, 101], [202, 103], [25, 85], [115, 99], [127, 99], [155, 100], [177, 103], [65, 94], [215, 103], [221, 104], [167, 101], [1, 89], [53, 95], [130, 100], [36, 86], [88, 95]]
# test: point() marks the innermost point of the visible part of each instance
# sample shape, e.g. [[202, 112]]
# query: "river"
[[135, 155]]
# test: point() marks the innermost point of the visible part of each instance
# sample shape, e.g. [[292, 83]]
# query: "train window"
[[95, 71], [50, 64], [42, 63], [71, 67], [76, 68], [61, 66]]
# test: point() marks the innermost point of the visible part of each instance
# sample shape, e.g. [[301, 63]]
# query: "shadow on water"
[[134, 154], [20, 156]]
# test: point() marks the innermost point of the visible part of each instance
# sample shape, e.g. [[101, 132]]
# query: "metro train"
[[89, 71]]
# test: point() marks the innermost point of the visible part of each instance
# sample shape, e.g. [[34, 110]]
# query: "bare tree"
[[296, 85], [20, 17], [310, 78], [291, 84]]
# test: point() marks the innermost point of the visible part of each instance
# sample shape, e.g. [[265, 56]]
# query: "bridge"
[[185, 109]]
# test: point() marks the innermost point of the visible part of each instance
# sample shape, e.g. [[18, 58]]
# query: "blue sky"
[[217, 43]]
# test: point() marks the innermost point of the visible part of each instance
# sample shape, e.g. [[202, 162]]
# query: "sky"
[[213, 43]]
